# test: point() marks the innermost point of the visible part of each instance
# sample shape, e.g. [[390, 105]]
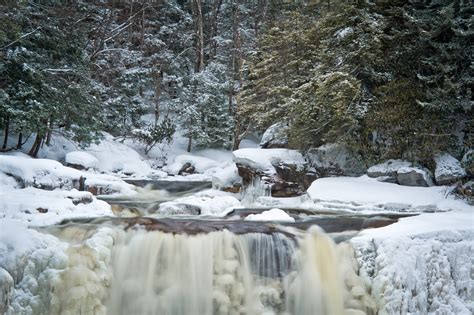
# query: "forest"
[[390, 79]]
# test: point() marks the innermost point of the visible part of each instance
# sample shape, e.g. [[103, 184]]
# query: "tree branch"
[[21, 37]]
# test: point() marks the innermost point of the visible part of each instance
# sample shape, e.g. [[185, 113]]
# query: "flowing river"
[[199, 265]]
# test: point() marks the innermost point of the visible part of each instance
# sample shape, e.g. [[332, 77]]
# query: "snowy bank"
[[370, 192]]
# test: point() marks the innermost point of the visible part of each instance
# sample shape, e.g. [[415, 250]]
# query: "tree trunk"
[[50, 130], [6, 131], [190, 138], [197, 12], [36, 145], [199, 65], [157, 81], [213, 43], [142, 30], [19, 144]]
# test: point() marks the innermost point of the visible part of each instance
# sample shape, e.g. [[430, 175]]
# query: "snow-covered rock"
[[263, 159], [468, 162], [116, 157], [448, 169], [81, 160], [102, 184], [387, 169], [467, 190], [200, 164], [275, 137], [49, 175], [276, 215], [368, 192], [40, 173], [204, 203], [335, 159], [284, 170], [43, 207], [176, 208], [226, 176], [414, 176]]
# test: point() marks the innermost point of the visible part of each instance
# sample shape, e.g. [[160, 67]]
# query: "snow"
[[81, 158], [263, 159], [201, 164], [39, 172], [108, 184], [275, 214], [344, 32], [226, 176], [248, 143], [367, 191], [45, 207], [116, 157], [209, 202], [49, 174]]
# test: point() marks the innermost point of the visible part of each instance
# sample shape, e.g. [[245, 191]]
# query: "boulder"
[[387, 170], [413, 176], [276, 136], [448, 169], [335, 159], [173, 208], [468, 162], [467, 190], [284, 170], [81, 160], [187, 168]]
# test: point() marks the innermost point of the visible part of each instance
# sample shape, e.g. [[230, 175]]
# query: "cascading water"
[[253, 192], [224, 273]]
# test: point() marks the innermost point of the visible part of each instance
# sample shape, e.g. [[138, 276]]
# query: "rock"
[[81, 160], [284, 170], [335, 159], [233, 189], [413, 176], [172, 208], [387, 179], [275, 137], [468, 162], [388, 170], [187, 168], [467, 189], [448, 169]]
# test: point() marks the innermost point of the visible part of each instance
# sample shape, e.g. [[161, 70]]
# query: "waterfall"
[[224, 273], [251, 194]]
